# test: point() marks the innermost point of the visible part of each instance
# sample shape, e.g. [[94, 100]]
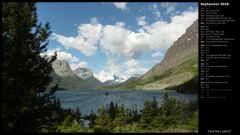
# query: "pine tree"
[[121, 120], [112, 110], [92, 118], [78, 115], [149, 113], [146, 117], [58, 103], [25, 74], [103, 122], [169, 113], [154, 107]]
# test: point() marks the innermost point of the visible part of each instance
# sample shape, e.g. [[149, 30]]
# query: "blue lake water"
[[91, 99]]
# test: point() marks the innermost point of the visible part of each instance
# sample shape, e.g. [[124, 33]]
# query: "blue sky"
[[115, 38]]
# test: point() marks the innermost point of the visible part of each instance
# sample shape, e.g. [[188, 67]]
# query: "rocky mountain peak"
[[84, 73], [63, 75], [115, 77], [136, 76], [62, 68]]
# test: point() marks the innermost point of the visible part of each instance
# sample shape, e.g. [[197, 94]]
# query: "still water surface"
[[91, 99]]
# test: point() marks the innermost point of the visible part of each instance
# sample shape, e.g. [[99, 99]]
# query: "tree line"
[[173, 115]]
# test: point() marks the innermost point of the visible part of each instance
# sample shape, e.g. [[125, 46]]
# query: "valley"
[[178, 68]]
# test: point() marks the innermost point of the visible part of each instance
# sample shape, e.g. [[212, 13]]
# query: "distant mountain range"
[[116, 80], [179, 67], [178, 70], [66, 78], [83, 73], [63, 75], [87, 75]]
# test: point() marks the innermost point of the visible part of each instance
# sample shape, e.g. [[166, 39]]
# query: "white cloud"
[[120, 5], [126, 43], [157, 55], [141, 20], [94, 20], [104, 76], [170, 6], [129, 46], [156, 36], [155, 10], [175, 13], [82, 64], [114, 43], [61, 55], [153, 6], [157, 13], [113, 66], [120, 41], [120, 24], [85, 42], [123, 45], [134, 68], [137, 44], [66, 56], [164, 33]]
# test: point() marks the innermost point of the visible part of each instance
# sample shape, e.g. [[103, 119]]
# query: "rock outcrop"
[[63, 75]]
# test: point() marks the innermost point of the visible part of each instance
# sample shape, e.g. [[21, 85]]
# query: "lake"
[[91, 99]]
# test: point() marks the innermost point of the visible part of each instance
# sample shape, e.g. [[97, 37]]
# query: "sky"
[[115, 37]]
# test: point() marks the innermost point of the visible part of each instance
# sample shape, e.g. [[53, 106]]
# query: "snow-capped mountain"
[[135, 76], [87, 75], [114, 80], [118, 79], [83, 73]]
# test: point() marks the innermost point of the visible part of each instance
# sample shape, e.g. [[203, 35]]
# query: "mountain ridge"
[[66, 78], [179, 65]]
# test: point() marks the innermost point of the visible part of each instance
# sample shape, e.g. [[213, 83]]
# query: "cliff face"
[[63, 75], [87, 75], [62, 68], [83, 73]]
